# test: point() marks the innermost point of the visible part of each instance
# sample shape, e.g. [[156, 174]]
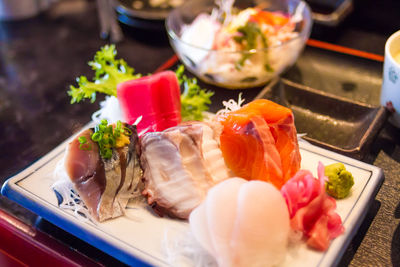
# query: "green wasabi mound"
[[339, 181]]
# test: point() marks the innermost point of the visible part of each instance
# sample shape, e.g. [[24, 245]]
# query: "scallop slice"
[[221, 205], [242, 223], [199, 227], [261, 229]]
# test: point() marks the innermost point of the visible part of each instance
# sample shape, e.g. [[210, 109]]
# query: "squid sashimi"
[[311, 210], [180, 165], [259, 141], [242, 223]]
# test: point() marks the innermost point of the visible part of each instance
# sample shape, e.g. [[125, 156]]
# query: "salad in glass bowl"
[[239, 44]]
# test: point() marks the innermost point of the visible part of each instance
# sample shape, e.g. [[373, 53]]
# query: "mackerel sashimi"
[[105, 184], [259, 142]]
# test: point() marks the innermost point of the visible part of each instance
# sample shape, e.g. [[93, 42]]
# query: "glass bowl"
[[197, 50]]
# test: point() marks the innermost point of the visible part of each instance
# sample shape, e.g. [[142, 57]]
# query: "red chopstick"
[[344, 50], [167, 64]]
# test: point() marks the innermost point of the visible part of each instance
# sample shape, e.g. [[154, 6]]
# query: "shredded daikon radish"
[[66, 195], [109, 110], [182, 249], [231, 105]]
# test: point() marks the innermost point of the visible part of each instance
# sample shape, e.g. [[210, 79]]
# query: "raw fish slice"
[[317, 221], [328, 226], [169, 186], [159, 101], [123, 177], [199, 227], [181, 164], [272, 112], [250, 151], [86, 171], [192, 134], [261, 228], [242, 223], [192, 163], [108, 206], [280, 123], [286, 144], [104, 185], [221, 211], [132, 184], [212, 155]]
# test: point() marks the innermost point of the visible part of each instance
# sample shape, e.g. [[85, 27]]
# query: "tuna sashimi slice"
[[156, 98]]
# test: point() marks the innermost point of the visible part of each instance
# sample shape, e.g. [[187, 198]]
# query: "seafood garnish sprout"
[[231, 105]]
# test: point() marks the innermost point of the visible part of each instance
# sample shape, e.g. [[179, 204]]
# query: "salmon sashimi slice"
[[259, 142], [250, 151]]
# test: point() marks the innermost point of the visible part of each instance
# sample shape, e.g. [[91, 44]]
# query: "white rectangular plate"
[[136, 238]]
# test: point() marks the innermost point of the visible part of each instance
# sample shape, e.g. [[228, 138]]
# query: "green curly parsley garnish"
[[109, 71], [194, 100]]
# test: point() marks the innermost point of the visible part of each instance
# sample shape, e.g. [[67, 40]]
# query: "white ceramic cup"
[[390, 94]]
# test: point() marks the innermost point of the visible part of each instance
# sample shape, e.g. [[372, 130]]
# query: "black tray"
[[352, 77], [336, 123], [330, 12]]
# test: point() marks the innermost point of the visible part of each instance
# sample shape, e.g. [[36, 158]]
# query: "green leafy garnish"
[[249, 34], [106, 136], [194, 100], [83, 145], [109, 71]]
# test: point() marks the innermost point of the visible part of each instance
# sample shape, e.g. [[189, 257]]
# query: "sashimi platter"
[[156, 180]]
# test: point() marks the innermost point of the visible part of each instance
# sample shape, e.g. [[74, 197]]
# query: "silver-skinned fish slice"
[[180, 166], [104, 185]]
